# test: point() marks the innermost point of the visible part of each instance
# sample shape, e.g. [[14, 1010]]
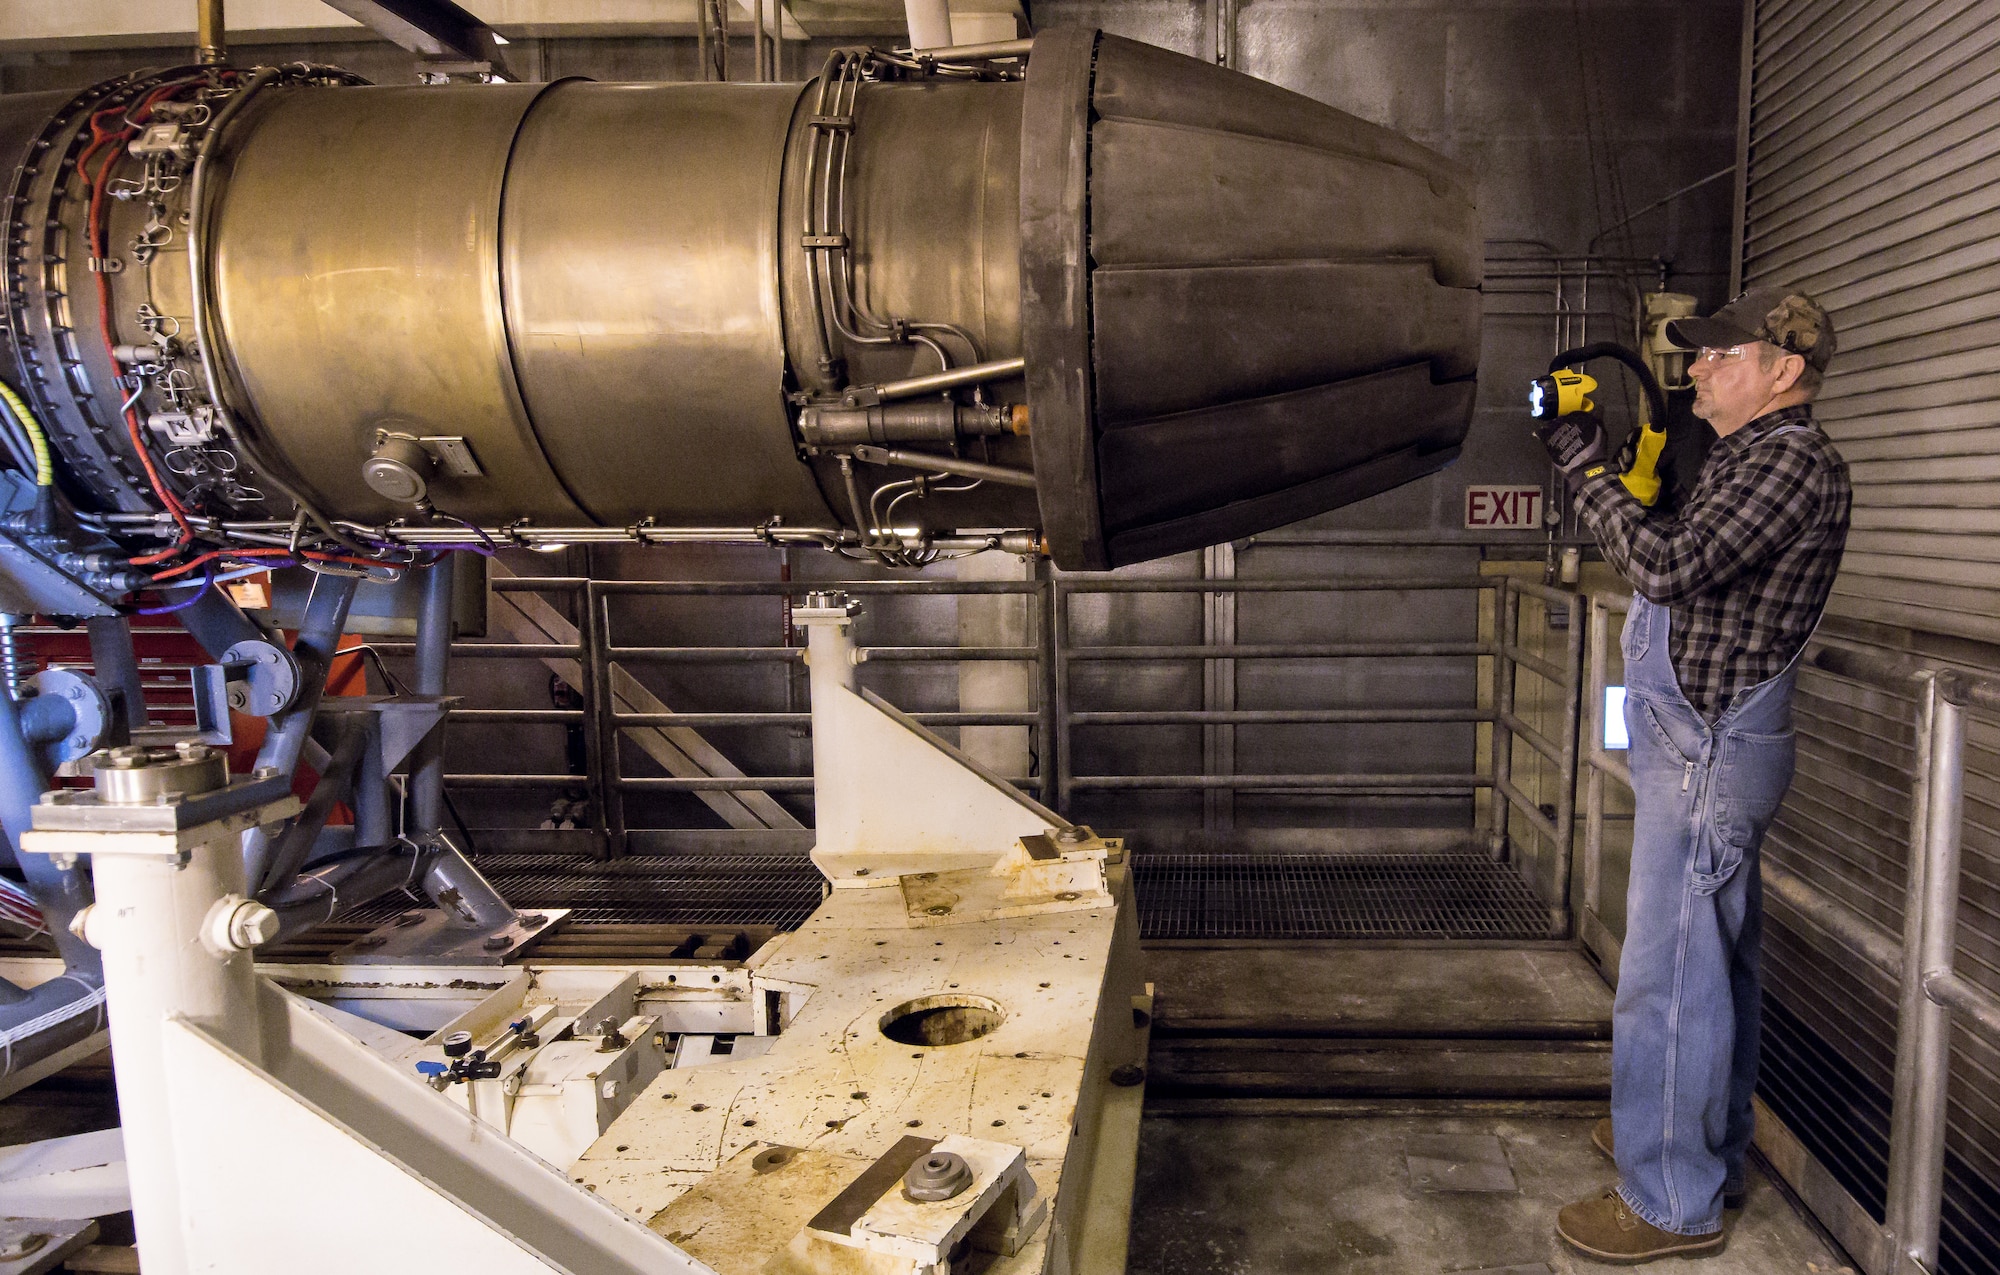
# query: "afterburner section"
[[1249, 307], [640, 262]]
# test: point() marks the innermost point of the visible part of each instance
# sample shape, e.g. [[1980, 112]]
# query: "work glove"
[[1573, 442], [1639, 463]]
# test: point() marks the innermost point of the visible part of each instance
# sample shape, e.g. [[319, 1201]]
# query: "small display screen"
[[1614, 718]]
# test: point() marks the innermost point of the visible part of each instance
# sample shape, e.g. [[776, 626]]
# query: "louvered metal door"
[[1872, 181]]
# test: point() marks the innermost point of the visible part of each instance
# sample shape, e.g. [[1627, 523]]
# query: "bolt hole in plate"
[[772, 1159], [951, 1018]]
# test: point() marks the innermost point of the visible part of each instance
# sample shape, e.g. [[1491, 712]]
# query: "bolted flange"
[[139, 776], [66, 714], [262, 678]]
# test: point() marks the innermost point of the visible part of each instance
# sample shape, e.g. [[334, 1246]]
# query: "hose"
[[1656, 398], [21, 440], [45, 469], [64, 1011]]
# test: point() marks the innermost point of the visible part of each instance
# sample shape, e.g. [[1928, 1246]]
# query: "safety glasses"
[[1712, 356]]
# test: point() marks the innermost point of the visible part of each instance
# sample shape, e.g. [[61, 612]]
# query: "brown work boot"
[[1605, 1229], [1600, 1137]]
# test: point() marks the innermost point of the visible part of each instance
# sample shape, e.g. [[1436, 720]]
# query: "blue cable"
[[181, 606]]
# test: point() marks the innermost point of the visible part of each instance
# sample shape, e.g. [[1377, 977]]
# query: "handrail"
[[1504, 649], [1503, 655], [1302, 584], [1921, 960]]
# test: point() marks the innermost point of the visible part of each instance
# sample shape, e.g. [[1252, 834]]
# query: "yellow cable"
[[45, 469]]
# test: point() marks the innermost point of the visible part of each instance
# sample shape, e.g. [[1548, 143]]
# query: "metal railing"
[[1598, 763], [1054, 717], [1930, 990], [599, 655], [1505, 650]]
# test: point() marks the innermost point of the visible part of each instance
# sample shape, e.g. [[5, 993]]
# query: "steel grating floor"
[[1220, 895], [1335, 896], [694, 890]]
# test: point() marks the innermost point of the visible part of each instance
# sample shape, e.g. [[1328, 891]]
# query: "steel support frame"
[[437, 30], [1932, 996]]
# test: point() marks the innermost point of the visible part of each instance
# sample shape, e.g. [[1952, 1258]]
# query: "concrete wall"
[[1574, 115]]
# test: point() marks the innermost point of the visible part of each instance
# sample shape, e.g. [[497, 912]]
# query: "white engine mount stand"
[[970, 986]]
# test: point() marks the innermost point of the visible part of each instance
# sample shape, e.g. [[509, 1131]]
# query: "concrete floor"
[[1281, 1195], [1303, 1195]]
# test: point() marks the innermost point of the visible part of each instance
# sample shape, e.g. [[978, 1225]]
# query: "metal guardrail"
[[1053, 719], [603, 722], [1505, 650], [1931, 991]]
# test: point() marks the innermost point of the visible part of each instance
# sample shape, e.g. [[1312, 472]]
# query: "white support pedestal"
[[985, 1005], [162, 895], [889, 798]]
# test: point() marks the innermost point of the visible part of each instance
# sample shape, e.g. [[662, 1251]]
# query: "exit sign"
[[1503, 508]]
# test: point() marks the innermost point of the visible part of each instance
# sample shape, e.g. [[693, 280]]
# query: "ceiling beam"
[[445, 36], [149, 24]]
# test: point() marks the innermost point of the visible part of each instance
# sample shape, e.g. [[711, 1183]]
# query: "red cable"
[[94, 235], [350, 559], [213, 554]]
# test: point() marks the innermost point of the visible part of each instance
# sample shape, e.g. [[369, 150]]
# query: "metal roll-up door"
[[1873, 183], [1871, 180]]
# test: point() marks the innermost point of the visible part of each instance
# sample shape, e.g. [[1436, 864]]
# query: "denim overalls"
[[1685, 1022]]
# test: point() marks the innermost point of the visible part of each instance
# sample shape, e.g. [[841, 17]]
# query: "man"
[[1728, 589]]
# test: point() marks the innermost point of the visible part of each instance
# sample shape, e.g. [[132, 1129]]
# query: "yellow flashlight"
[[1560, 393]]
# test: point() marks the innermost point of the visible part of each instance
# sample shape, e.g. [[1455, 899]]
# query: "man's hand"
[[1573, 442]]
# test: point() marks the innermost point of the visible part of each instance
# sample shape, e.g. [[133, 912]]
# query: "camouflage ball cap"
[[1786, 317]]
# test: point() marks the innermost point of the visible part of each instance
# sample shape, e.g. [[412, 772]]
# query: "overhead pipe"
[[945, 465], [936, 382], [992, 51], [211, 34]]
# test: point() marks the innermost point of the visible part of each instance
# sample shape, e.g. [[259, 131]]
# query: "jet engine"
[[1102, 300]]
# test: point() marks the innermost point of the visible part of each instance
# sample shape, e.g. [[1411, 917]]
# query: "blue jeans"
[[1685, 1022]]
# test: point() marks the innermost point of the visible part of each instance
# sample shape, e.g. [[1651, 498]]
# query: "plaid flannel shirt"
[[1745, 565]]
